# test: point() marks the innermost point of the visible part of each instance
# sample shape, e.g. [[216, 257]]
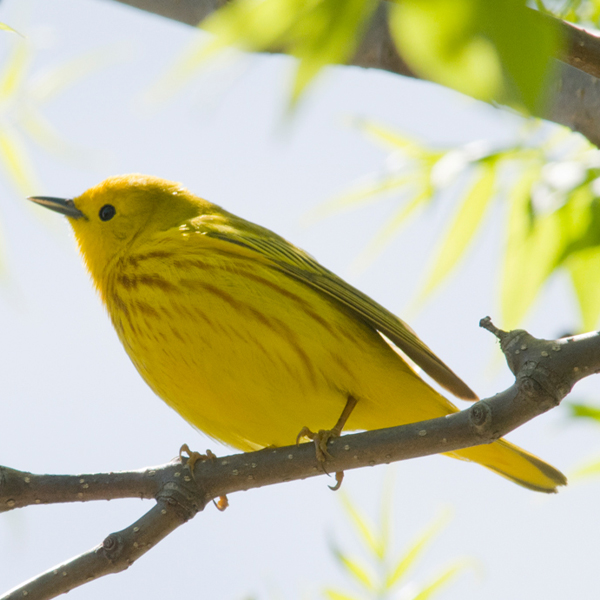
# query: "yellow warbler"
[[249, 338]]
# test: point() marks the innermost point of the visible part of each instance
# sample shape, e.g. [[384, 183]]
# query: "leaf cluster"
[[549, 181], [474, 46], [380, 573]]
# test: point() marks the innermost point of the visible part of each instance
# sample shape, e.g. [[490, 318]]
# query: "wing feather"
[[296, 263]]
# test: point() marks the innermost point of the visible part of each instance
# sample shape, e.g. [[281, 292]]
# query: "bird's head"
[[112, 217]]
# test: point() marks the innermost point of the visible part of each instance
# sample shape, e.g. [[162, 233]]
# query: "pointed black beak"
[[60, 205]]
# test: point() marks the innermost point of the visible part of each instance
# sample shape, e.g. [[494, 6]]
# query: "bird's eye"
[[107, 212]]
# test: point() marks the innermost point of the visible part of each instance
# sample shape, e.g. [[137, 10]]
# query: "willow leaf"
[[415, 550], [335, 595], [477, 46], [440, 581], [584, 411], [364, 529], [464, 225], [526, 263], [582, 268], [354, 568], [6, 27], [318, 32]]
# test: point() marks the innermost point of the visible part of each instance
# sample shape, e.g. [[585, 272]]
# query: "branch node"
[[480, 416], [112, 547], [186, 498]]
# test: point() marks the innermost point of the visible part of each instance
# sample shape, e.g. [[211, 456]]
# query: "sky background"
[[71, 401]]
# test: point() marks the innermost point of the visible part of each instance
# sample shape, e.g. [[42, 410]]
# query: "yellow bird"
[[248, 337]]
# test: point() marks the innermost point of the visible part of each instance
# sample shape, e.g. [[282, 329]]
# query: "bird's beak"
[[60, 205]]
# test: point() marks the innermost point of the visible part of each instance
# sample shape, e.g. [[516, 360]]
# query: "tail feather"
[[515, 464]]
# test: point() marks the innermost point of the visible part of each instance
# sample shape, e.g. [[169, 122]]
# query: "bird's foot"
[[193, 457], [320, 439]]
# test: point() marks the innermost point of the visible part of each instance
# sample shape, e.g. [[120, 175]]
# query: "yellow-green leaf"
[[440, 581], [366, 531], [478, 47], [14, 70], [354, 568], [318, 32], [6, 27], [391, 227], [583, 268], [415, 550], [584, 411], [15, 160], [391, 138], [591, 469], [361, 195], [439, 40], [527, 260], [465, 223], [335, 595]]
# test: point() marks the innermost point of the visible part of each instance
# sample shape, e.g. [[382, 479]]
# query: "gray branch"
[[545, 372], [574, 94]]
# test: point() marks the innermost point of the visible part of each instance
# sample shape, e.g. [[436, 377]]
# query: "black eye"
[[107, 212]]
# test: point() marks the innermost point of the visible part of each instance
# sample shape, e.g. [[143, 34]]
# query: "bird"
[[248, 337]]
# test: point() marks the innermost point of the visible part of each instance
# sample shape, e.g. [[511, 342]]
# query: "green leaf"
[[364, 529], [6, 27], [530, 252], [465, 223], [361, 195], [354, 568], [584, 411], [415, 550], [490, 50], [15, 159], [318, 32], [519, 32], [591, 469], [440, 581], [335, 595], [392, 226], [440, 41], [394, 139], [14, 71], [385, 515], [582, 266], [538, 243]]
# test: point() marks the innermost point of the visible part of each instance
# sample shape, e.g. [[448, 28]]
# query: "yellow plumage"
[[247, 336]]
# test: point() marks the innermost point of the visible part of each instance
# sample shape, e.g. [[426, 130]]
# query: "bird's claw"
[[339, 477], [193, 457], [320, 439]]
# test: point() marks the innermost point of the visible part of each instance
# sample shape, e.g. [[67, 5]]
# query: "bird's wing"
[[300, 265]]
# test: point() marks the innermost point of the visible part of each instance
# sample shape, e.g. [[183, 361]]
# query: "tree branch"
[[574, 94], [545, 372]]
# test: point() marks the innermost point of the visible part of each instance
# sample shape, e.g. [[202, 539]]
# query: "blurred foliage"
[[583, 12], [474, 46], [6, 27], [584, 411], [380, 573], [591, 413], [549, 180], [478, 47], [22, 96], [317, 32]]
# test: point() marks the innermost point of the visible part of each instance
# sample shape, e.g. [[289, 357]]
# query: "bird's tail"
[[515, 464]]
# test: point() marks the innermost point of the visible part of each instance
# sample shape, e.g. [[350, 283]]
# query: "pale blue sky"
[[72, 402]]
